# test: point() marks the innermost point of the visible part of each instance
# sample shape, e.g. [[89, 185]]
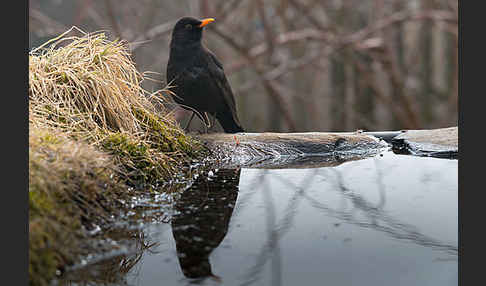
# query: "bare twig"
[[281, 39], [438, 15], [151, 34], [47, 24], [266, 27], [306, 11]]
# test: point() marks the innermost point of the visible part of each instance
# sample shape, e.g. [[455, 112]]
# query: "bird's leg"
[[189, 122], [213, 119], [207, 125], [208, 119]]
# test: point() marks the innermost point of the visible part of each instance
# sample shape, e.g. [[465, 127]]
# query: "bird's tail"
[[229, 123]]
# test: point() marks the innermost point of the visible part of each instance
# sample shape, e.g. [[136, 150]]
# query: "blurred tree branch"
[[268, 85], [290, 47], [47, 25], [151, 34], [112, 18]]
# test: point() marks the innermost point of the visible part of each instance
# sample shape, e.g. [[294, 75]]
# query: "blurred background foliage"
[[296, 65]]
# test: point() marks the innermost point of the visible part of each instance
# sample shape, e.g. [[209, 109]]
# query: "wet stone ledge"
[[439, 143], [319, 149], [287, 150]]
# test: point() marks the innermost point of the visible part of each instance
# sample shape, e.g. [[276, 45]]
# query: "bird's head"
[[188, 30]]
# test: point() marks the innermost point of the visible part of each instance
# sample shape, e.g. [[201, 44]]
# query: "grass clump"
[[93, 131], [88, 84], [91, 90], [70, 184]]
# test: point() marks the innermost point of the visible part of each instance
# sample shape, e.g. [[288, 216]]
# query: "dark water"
[[386, 220]]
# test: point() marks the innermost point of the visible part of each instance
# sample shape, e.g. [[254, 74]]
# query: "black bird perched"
[[197, 77]]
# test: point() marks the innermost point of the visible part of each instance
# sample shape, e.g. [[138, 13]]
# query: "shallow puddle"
[[386, 220]]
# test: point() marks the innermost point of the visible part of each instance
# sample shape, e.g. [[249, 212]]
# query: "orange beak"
[[205, 22]]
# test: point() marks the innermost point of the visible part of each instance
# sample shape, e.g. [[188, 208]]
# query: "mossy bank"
[[94, 133]]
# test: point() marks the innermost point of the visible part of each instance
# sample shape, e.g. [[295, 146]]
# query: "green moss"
[[43, 262], [62, 171], [39, 203], [155, 158], [49, 138], [165, 138], [135, 157], [122, 145], [52, 240]]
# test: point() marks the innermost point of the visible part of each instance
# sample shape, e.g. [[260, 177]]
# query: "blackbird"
[[197, 77]]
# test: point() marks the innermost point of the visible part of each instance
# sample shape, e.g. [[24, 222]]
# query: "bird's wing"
[[217, 72]]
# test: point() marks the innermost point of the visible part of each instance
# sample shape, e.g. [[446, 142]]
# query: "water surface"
[[386, 220]]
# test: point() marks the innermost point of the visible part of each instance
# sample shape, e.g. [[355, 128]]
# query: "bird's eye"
[[188, 26]]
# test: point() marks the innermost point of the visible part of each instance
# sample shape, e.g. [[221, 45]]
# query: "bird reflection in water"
[[202, 217]]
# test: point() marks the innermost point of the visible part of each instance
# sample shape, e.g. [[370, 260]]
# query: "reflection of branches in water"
[[131, 264], [141, 246], [276, 231], [112, 270], [376, 215], [395, 229], [244, 198], [272, 233], [381, 185]]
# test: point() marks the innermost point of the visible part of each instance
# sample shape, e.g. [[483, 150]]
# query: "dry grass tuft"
[[89, 88], [88, 84]]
